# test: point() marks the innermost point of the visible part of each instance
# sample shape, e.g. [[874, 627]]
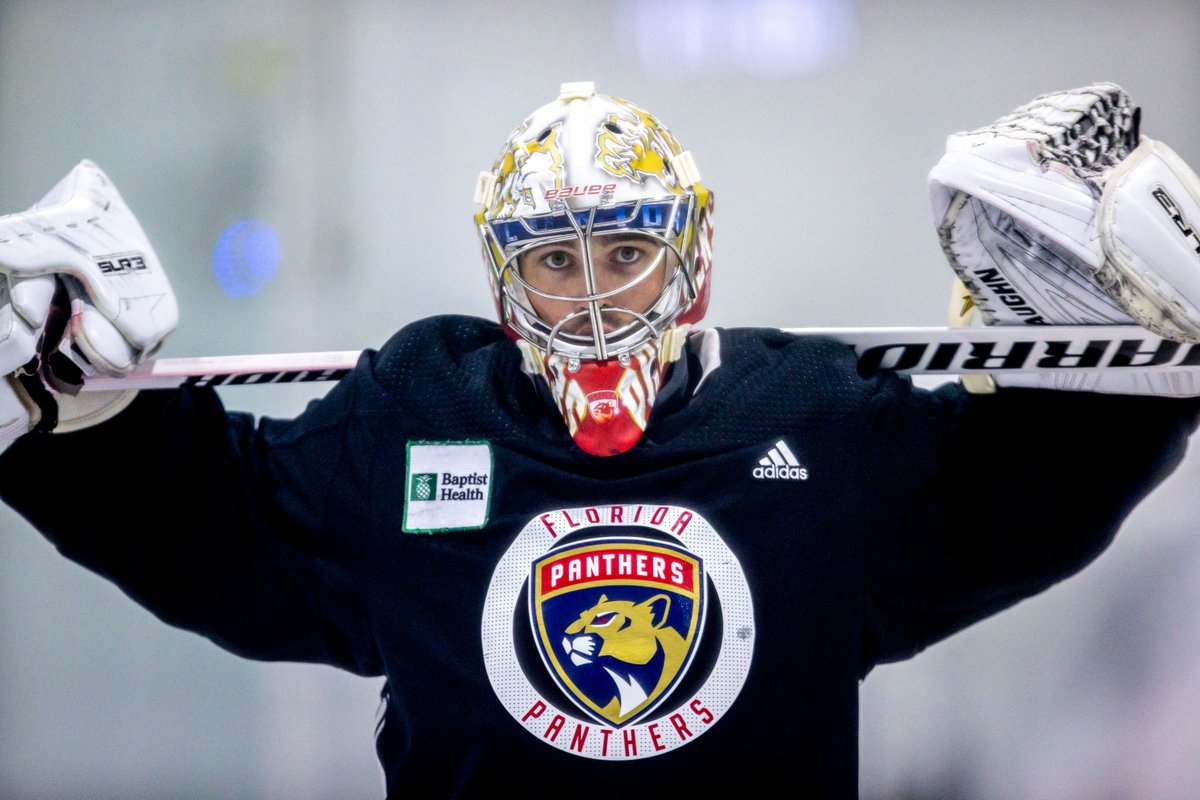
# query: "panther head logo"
[[618, 623], [636, 648]]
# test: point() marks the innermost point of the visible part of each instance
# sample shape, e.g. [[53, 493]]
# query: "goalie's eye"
[[627, 254], [557, 259]]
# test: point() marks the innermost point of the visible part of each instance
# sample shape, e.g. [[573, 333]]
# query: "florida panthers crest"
[[616, 655], [618, 632]]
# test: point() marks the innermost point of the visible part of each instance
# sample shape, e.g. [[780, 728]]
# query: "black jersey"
[[691, 614]]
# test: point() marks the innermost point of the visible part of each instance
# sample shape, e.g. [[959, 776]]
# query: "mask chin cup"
[[605, 404]]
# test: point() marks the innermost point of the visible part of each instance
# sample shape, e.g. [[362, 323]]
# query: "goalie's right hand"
[[82, 292]]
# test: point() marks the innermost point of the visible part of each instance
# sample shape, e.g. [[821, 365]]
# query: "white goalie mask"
[[596, 234]]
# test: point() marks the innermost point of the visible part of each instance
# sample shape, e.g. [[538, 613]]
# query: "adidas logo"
[[780, 464]]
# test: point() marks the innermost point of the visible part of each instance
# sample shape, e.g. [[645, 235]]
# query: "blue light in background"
[[766, 38], [245, 257]]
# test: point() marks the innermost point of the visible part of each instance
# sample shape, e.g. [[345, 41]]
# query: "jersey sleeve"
[[240, 530], [981, 501]]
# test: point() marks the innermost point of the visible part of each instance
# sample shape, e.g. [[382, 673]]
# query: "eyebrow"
[[606, 237], [621, 237]]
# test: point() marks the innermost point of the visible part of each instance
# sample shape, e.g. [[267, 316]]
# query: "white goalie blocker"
[[1062, 213], [82, 293], [84, 236]]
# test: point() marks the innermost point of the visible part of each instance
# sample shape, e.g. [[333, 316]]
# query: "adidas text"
[[780, 464], [781, 473]]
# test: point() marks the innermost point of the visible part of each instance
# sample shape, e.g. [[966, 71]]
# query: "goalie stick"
[[912, 350]]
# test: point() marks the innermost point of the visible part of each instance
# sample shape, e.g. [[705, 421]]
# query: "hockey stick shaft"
[[238, 370], [912, 350]]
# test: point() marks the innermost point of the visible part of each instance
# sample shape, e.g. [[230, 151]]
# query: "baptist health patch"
[[447, 486]]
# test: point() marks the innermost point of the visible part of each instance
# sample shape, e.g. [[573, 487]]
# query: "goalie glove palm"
[[1062, 213]]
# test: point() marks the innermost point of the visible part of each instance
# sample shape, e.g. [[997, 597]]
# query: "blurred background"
[[305, 170]]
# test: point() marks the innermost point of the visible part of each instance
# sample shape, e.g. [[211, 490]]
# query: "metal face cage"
[[669, 222]]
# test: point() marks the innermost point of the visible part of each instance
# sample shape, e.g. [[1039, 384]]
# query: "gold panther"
[[632, 634]]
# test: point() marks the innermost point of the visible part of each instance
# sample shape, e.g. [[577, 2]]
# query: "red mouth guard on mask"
[[606, 404]]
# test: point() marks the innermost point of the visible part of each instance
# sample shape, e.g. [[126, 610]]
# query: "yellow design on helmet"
[[631, 144], [522, 159]]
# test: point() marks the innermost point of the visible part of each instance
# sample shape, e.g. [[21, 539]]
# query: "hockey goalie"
[[592, 542]]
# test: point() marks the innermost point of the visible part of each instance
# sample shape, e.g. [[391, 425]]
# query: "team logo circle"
[[618, 632]]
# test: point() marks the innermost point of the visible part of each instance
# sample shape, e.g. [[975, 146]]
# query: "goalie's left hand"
[[1063, 213], [1076, 179]]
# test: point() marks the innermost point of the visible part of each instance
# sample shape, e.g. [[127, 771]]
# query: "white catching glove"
[[81, 293], [1062, 213]]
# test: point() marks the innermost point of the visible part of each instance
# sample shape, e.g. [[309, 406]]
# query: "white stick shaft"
[[1013, 349], [931, 350], [242, 370]]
